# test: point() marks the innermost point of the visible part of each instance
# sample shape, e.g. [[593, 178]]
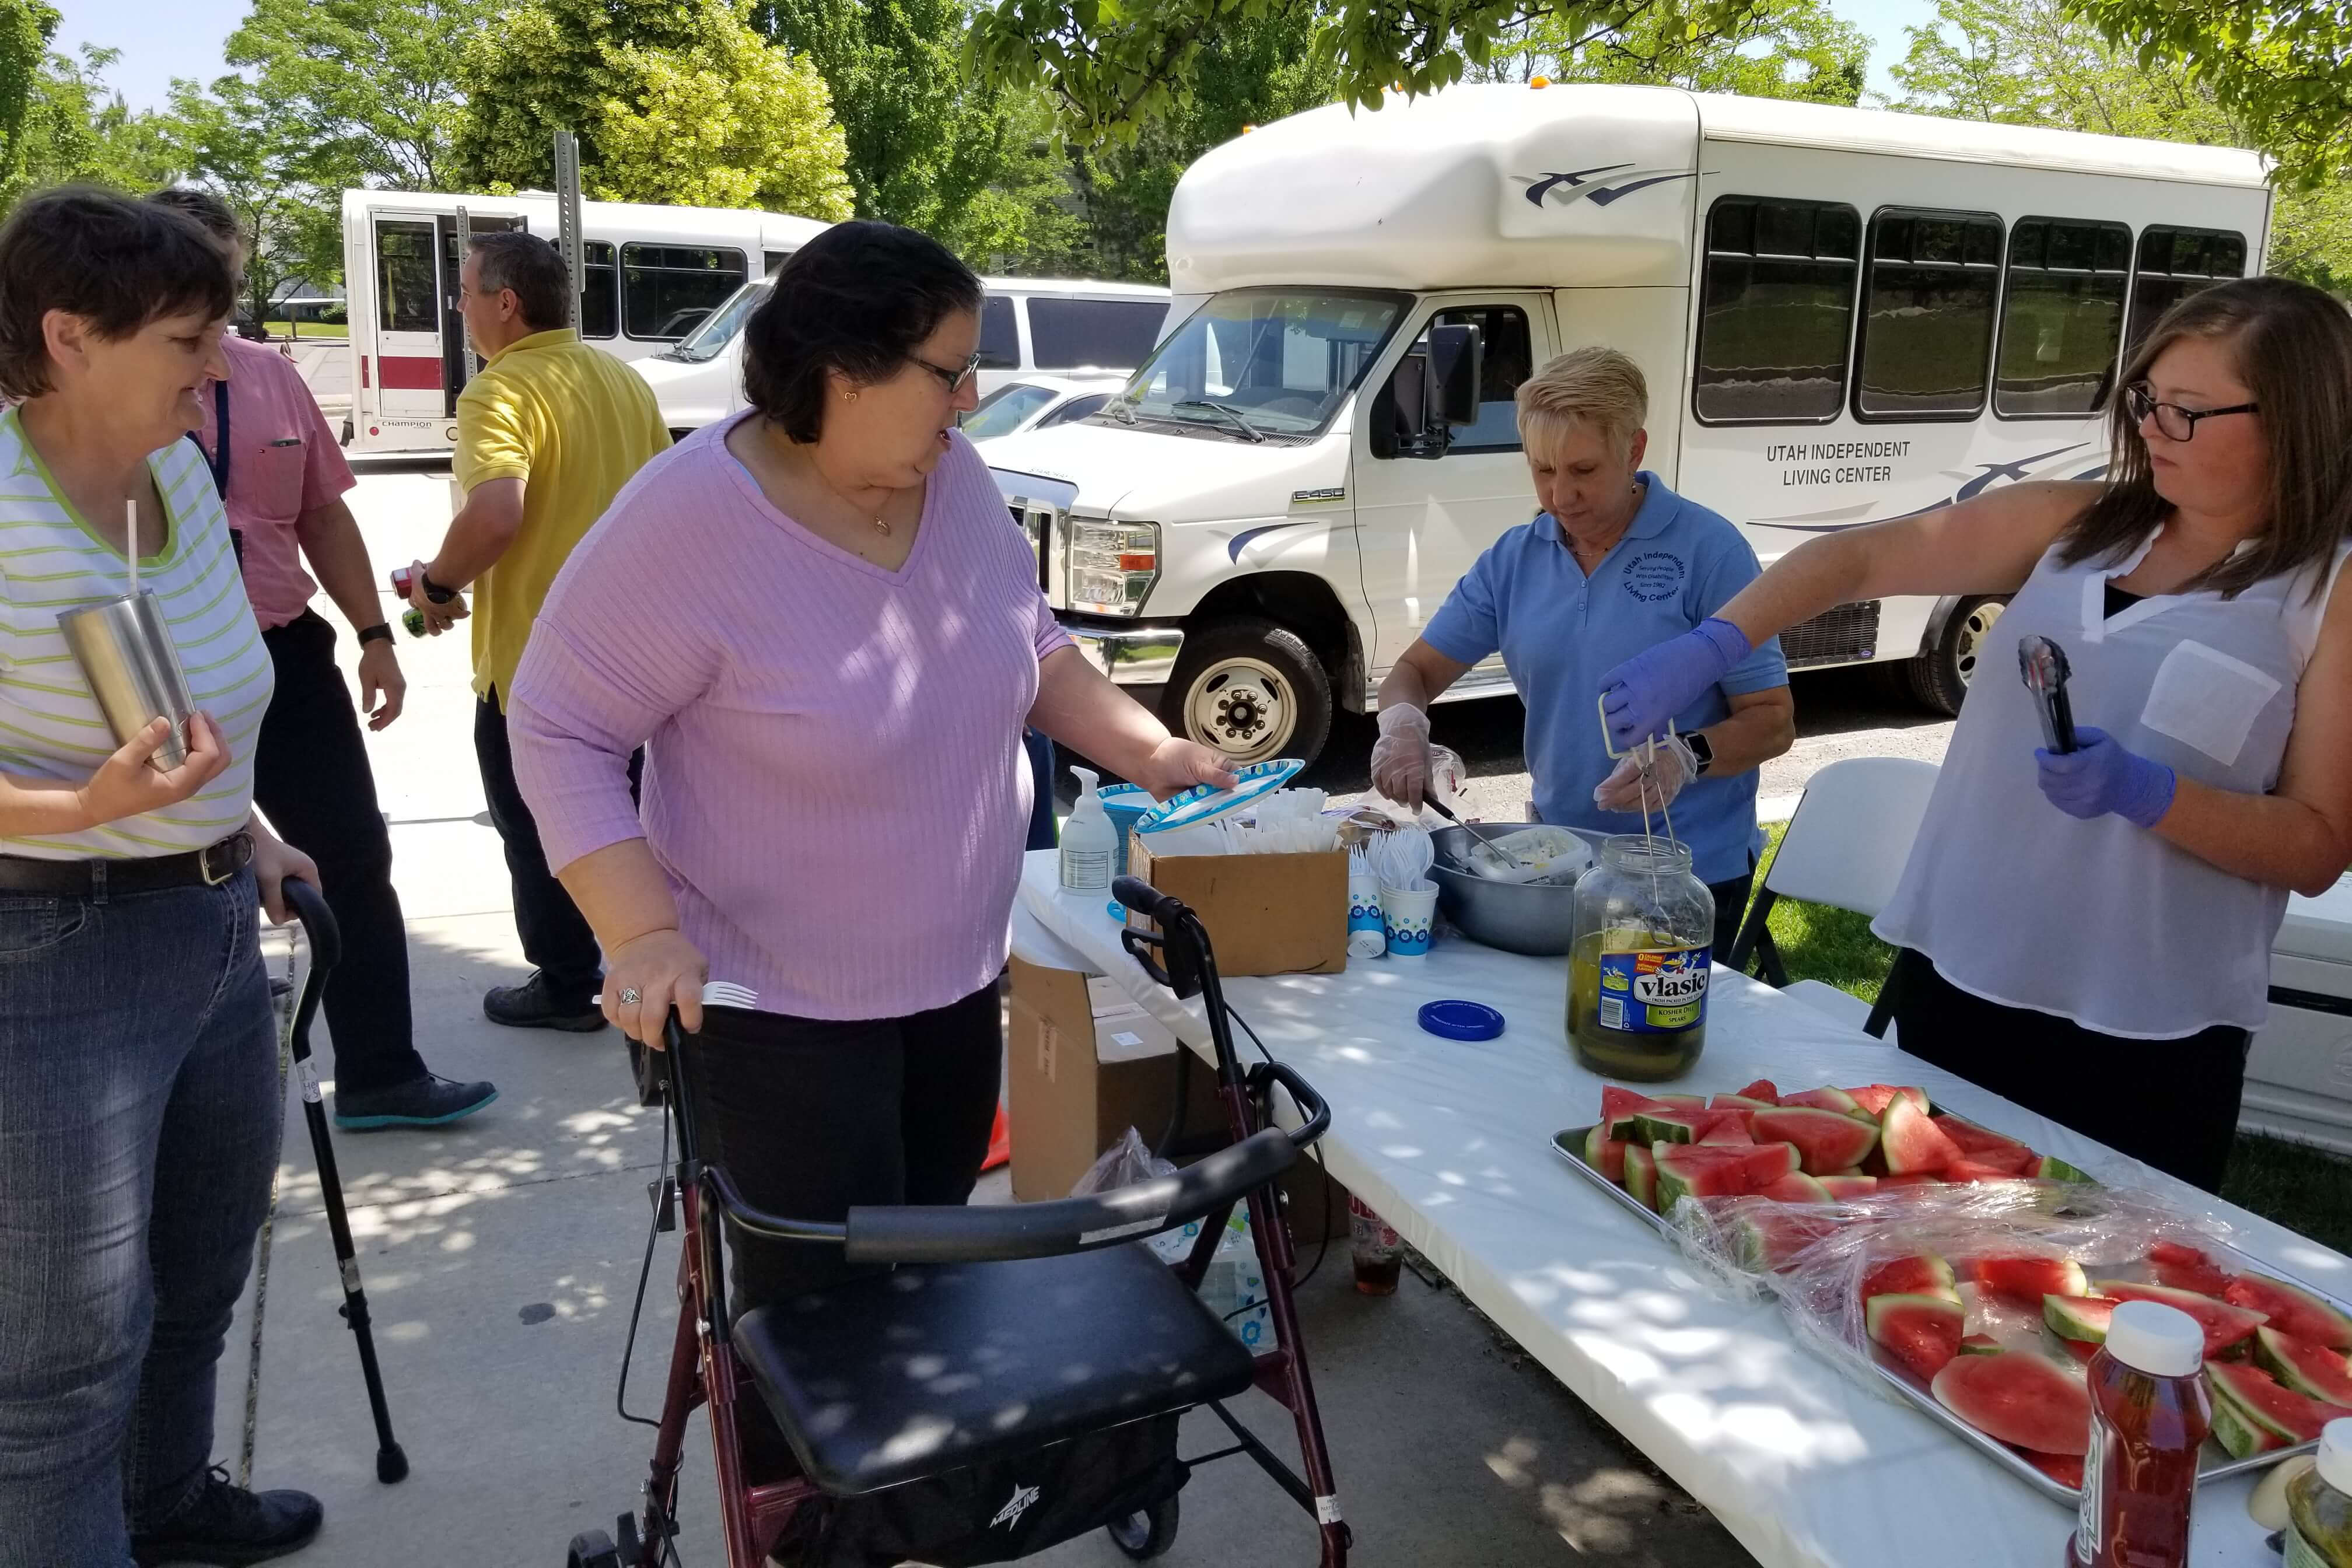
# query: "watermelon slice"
[[2021, 1398], [1683, 1101], [2186, 1268], [2011, 1161], [1641, 1175], [1923, 1332], [1849, 1186], [2027, 1277], [2081, 1349], [1761, 1090], [1920, 1274], [2291, 1310], [1835, 1099], [1727, 1133], [2312, 1371], [2051, 1168], [1769, 1234], [1872, 1099], [1605, 1154], [1981, 1345], [2256, 1398], [1969, 1138], [1738, 1102], [1620, 1109], [2066, 1469], [2224, 1325], [1672, 1126], [1825, 1140], [1910, 1142], [2078, 1319], [1794, 1188], [1969, 1168], [1767, 1163], [1684, 1173]]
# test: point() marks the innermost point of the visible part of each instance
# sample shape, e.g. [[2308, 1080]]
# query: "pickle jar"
[[1638, 972]]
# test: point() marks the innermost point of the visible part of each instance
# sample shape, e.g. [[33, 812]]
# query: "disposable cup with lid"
[[2336, 1454], [2160, 1340]]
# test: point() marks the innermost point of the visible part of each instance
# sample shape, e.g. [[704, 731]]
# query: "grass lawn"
[[307, 330], [2305, 1189]]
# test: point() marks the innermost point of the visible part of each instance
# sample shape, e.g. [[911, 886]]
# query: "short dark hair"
[[533, 269], [117, 263], [858, 298], [209, 210]]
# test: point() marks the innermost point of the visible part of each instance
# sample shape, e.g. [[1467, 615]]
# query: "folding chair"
[[1846, 848]]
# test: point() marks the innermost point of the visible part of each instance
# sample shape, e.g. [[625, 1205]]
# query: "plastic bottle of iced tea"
[[1378, 1253], [2149, 1416]]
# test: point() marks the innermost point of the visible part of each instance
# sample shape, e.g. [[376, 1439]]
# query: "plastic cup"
[[1407, 915], [1125, 805]]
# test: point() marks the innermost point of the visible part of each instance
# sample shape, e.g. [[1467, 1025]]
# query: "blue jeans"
[[140, 1113], [1043, 833]]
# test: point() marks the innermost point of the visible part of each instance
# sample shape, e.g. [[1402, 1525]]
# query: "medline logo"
[[1579, 188], [1019, 1503]]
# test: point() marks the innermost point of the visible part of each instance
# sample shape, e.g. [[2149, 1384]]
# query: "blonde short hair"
[[1594, 386]]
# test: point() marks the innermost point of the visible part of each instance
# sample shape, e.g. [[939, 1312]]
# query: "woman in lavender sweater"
[[818, 621]]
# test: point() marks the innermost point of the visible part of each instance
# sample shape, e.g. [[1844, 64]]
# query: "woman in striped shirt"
[[139, 1119]]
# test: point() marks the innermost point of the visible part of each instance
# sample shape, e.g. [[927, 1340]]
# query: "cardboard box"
[[1083, 1064], [1265, 914]]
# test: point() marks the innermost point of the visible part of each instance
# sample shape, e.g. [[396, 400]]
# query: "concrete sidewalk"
[[500, 1258]]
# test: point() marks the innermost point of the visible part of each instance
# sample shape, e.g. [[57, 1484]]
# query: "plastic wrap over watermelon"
[[1955, 1268]]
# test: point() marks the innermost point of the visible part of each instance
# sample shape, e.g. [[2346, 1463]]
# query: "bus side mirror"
[[1434, 389]]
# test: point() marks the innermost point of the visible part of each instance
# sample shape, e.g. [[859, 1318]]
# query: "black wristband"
[[435, 590], [376, 633]]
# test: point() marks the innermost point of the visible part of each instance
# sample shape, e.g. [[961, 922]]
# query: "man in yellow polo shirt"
[[547, 435]]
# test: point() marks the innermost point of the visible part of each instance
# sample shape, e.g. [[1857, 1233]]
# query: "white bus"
[[1844, 315], [649, 276]]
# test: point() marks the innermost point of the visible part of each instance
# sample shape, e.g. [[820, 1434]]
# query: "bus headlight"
[[1111, 565]]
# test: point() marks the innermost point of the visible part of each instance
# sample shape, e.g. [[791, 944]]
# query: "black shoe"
[[532, 1006], [427, 1102], [226, 1524]]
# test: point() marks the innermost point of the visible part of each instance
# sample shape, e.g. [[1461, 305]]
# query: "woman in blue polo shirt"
[[1613, 563]]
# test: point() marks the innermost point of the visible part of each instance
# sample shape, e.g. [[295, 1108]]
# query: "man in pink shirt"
[[282, 477]]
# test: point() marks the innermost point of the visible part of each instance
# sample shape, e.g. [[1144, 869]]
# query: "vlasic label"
[[1658, 992]]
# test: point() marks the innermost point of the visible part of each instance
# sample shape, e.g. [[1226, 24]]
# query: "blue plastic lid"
[[1458, 1020], [1202, 802]]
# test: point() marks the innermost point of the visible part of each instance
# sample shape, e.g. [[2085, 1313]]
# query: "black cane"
[[326, 948]]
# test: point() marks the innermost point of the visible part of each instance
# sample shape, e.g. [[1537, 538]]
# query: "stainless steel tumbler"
[[125, 651]]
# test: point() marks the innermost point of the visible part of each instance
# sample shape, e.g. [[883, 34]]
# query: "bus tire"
[[1252, 690], [1939, 678]]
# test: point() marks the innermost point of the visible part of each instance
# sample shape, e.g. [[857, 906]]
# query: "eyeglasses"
[[2177, 423], [953, 380]]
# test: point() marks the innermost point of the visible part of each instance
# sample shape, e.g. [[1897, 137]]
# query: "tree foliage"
[[672, 100], [2031, 62], [248, 152], [1782, 49], [26, 29], [370, 86]]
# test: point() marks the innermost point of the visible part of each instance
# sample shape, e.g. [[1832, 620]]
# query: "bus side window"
[[1927, 314], [666, 290], [1506, 359], [1776, 312], [2175, 263], [2061, 317], [1000, 339], [600, 291]]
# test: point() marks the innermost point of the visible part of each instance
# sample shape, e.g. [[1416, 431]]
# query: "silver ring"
[[629, 994]]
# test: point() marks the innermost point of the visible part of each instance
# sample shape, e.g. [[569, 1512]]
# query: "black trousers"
[[310, 778], [1730, 904], [2172, 1104], [811, 1116], [555, 935]]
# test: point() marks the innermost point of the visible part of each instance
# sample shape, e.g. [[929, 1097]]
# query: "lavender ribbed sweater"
[[834, 775]]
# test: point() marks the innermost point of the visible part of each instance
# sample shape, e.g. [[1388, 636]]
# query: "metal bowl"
[[1516, 917]]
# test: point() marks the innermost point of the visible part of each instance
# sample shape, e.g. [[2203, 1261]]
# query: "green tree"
[[26, 29], [249, 153], [2031, 62], [371, 85], [74, 128], [2277, 67], [924, 143], [672, 100], [1782, 49]]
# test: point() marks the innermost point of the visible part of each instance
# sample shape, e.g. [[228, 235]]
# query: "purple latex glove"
[[2099, 776], [1642, 694]]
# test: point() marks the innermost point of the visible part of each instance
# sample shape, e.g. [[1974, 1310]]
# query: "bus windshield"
[[1260, 362], [718, 328]]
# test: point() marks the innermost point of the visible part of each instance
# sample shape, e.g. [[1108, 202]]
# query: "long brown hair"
[[2294, 349]]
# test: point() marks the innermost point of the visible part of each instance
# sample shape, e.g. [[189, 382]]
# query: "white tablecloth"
[[1451, 1142]]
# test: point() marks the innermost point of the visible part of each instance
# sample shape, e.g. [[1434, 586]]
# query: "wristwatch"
[[1703, 749], [435, 590], [376, 633]]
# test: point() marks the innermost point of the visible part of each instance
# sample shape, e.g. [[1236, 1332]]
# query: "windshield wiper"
[[1248, 430]]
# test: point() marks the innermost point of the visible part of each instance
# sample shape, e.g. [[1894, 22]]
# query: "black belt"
[[208, 867]]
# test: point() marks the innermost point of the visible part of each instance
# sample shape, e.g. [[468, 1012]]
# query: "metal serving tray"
[[2214, 1464]]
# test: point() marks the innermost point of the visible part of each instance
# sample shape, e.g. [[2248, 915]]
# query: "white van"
[[1844, 315], [1026, 324]]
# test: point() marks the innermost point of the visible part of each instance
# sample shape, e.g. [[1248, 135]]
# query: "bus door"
[[453, 321], [408, 303]]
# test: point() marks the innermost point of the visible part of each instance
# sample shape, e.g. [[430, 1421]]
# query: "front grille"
[[1845, 634]]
